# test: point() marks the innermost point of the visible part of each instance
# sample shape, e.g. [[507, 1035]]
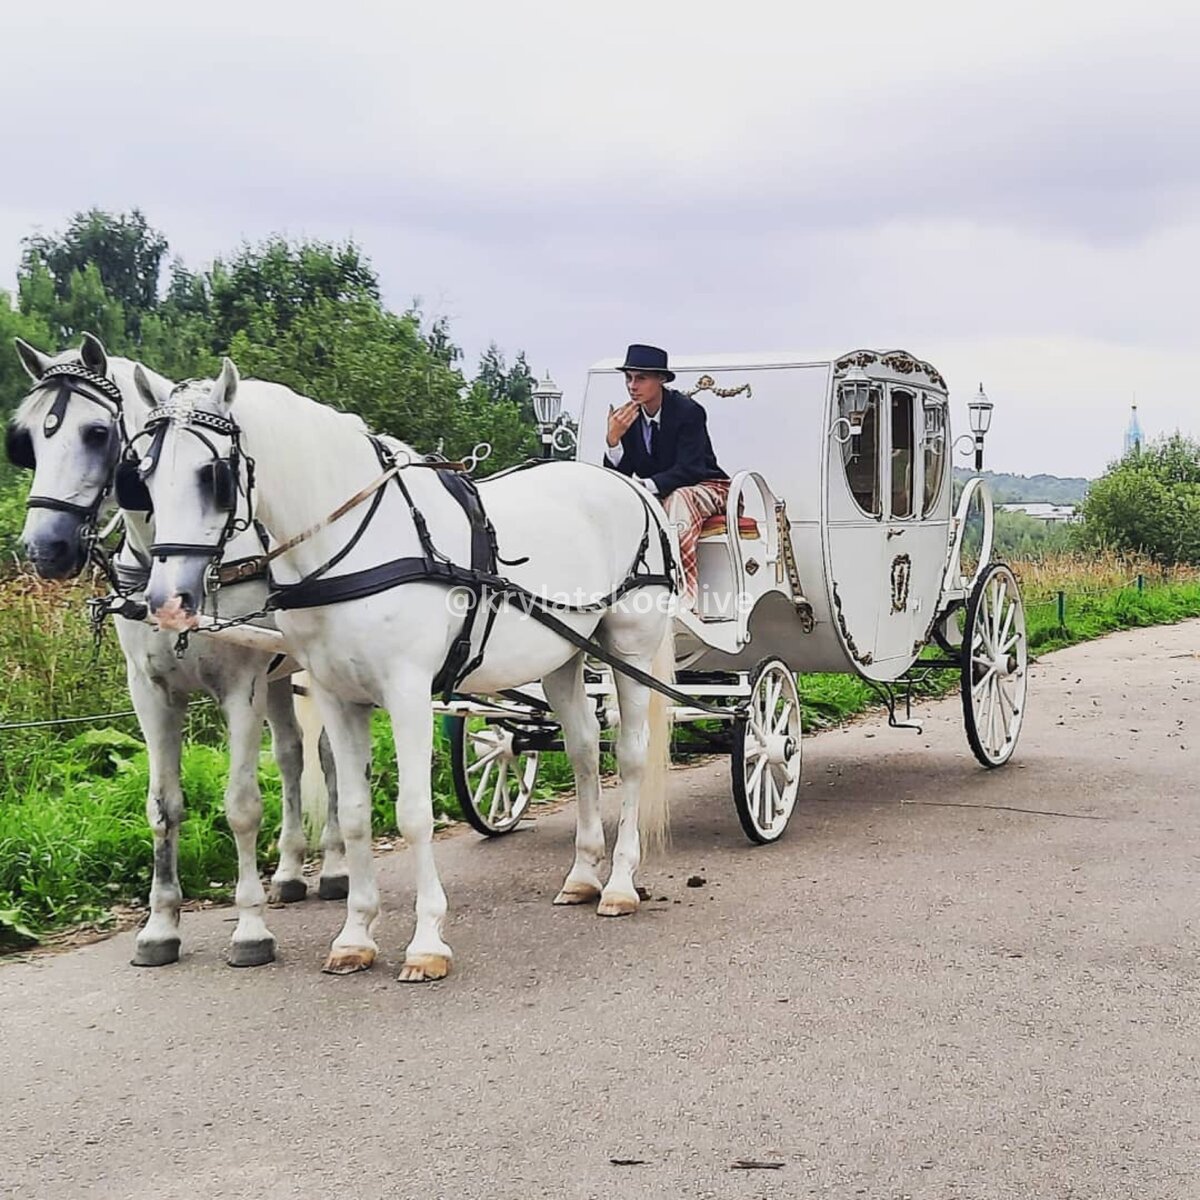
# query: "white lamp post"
[[547, 411], [980, 411]]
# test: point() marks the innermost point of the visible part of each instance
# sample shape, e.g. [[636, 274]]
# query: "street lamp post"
[[980, 412], [553, 427]]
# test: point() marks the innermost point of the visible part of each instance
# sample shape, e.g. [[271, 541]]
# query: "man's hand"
[[619, 421]]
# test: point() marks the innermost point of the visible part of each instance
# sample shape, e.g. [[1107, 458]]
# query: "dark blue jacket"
[[683, 454]]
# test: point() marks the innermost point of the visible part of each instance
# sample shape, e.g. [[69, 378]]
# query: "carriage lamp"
[[553, 426], [980, 411], [854, 398]]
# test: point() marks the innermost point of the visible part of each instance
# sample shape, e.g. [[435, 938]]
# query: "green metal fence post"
[[1062, 610], [1141, 583]]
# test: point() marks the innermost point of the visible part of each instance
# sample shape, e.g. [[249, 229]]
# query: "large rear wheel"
[[995, 662]]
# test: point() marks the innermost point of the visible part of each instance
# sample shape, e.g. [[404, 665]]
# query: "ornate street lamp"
[[553, 426], [980, 411]]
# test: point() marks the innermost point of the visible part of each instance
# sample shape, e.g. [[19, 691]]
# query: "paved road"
[[944, 983]]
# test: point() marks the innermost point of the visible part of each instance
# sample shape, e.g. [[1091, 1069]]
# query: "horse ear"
[[94, 356], [145, 387], [34, 361], [225, 389]]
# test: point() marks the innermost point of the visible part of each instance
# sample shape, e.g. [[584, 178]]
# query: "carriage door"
[[900, 609]]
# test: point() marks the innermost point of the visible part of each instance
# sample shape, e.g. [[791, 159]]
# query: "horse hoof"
[[287, 891], [252, 954], [334, 887], [347, 962], [577, 893], [617, 906], [155, 954], [420, 968]]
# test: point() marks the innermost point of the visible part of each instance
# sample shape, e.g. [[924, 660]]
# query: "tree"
[[1149, 503], [124, 251], [269, 287]]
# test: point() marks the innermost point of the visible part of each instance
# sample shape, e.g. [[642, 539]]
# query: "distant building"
[[1052, 514], [1133, 433]]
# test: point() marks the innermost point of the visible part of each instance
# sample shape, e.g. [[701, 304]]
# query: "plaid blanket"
[[687, 507]]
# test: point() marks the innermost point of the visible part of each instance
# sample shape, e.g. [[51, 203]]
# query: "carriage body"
[[869, 514], [840, 551]]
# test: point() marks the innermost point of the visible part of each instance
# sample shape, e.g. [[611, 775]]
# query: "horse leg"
[[252, 944], [581, 736], [620, 896], [427, 956], [349, 728], [287, 884], [334, 884], [161, 717]]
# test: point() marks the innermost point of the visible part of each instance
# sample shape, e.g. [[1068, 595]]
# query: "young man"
[[660, 438]]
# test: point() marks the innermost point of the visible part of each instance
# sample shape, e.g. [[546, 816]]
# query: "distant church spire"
[[1133, 432]]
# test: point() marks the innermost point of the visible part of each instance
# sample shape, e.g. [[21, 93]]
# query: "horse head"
[[196, 500], [68, 431]]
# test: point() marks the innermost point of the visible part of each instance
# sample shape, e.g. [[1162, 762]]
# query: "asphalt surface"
[[944, 982]]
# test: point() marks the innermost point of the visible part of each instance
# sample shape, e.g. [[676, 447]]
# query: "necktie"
[[648, 436]]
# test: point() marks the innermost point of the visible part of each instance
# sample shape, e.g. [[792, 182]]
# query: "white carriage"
[[841, 550]]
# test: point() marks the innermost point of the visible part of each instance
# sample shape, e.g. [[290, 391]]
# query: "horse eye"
[[95, 436]]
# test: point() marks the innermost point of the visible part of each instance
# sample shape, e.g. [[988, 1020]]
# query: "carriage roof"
[[880, 364]]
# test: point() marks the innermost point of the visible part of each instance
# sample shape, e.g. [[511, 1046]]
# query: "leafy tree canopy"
[[305, 313], [1149, 503]]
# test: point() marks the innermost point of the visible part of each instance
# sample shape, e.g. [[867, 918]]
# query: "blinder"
[[219, 477], [132, 493], [18, 444]]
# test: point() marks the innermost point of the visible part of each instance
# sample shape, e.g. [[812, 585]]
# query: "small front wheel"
[[493, 774], [995, 675], [767, 753]]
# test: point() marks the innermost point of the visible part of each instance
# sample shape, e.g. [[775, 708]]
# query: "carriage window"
[[860, 456], [902, 454], [934, 452]]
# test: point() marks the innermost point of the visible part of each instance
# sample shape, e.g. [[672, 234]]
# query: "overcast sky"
[[1013, 194]]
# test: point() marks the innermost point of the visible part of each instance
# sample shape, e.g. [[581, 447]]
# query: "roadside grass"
[[73, 833]]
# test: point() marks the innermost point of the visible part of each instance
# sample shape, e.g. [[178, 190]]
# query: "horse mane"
[[330, 444]]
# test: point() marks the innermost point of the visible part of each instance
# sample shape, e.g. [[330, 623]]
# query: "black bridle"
[[71, 379], [221, 474]]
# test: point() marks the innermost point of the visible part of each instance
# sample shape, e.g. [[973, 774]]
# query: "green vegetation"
[[1148, 503], [308, 314]]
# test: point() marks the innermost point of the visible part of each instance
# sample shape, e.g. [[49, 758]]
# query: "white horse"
[[583, 530], [73, 439]]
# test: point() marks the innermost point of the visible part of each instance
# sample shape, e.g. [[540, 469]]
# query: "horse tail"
[[314, 799], [654, 814]]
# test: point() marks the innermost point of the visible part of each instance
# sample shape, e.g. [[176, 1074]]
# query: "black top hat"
[[647, 358]]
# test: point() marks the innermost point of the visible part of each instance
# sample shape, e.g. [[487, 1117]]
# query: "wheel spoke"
[[1002, 637], [784, 718], [755, 778], [767, 797], [500, 796], [483, 760], [481, 789], [978, 686]]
